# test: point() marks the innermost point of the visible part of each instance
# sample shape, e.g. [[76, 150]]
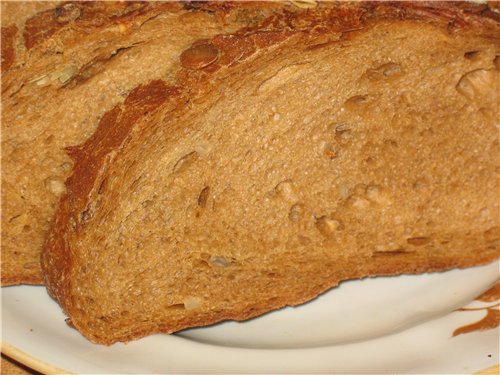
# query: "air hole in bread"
[[496, 62], [177, 306], [185, 162], [251, 310], [398, 251], [385, 71], [304, 240], [471, 55], [201, 264], [135, 184], [50, 139], [492, 234], [391, 143], [102, 187], [420, 184], [30, 265], [343, 132], [203, 197], [357, 101], [370, 160], [273, 300], [418, 241], [147, 203]]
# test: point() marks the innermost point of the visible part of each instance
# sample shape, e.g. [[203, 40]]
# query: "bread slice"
[[345, 142], [63, 68]]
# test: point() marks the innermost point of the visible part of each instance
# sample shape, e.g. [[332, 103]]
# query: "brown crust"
[[112, 131], [92, 157], [8, 51], [27, 278], [82, 15], [391, 265]]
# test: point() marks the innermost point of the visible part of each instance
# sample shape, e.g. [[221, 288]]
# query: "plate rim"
[[31, 361]]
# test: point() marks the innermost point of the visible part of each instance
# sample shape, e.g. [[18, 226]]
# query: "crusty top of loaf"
[[344, 142]]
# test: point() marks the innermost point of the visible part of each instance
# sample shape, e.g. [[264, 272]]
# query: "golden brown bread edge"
[[54, 66], [120, 125]]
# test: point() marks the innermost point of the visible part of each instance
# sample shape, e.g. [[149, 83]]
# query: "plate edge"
[[30, 361]]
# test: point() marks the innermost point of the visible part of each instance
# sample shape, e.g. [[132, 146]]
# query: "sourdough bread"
[[344, 142]]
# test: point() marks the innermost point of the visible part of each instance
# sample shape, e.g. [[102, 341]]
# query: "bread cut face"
[[278, 166], [63, 68]]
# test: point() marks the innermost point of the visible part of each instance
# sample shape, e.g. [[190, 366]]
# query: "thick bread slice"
[[62, 70], [355, 141]]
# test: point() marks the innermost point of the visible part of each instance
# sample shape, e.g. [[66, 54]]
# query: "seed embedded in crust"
[[286, 191], [296, 212], [327, 226], [65, 74], [199, 57], [191, 303], [55, 185], [219, 261], [40, 81], [477, 83], [329, 151]]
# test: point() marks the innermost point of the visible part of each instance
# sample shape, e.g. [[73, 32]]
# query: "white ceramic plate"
[[401, 324]]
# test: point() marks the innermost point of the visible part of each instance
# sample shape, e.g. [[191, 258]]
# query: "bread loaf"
[[342, 142], [63, 68]]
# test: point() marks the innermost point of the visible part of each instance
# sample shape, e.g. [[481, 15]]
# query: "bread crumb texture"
[[339, 142]]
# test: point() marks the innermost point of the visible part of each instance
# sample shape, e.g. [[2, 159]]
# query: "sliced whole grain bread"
[[345, 142], [63, 68]]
